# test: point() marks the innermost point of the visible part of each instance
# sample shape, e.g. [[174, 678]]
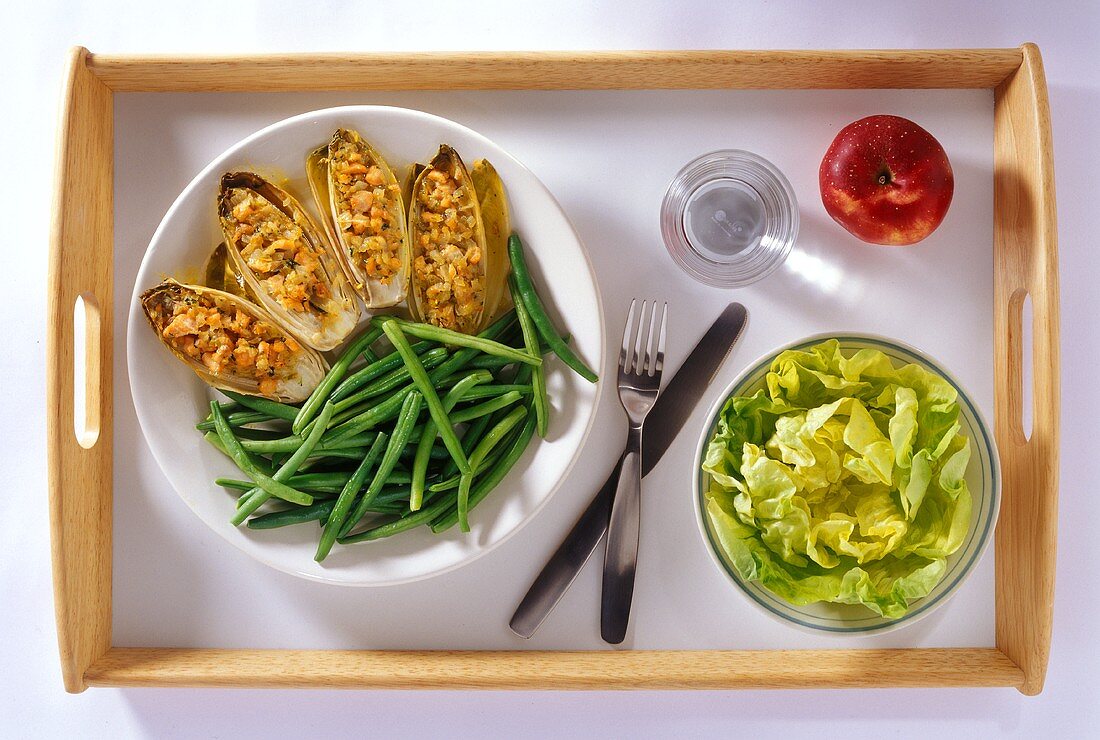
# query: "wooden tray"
[[1025, 263]]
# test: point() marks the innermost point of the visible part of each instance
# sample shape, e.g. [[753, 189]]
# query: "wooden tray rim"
[[1025, 263]]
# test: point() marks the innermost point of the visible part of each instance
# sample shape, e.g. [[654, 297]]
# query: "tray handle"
[[80, 450], [1026, 264]]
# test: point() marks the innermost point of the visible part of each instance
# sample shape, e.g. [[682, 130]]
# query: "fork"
[[641, 361]]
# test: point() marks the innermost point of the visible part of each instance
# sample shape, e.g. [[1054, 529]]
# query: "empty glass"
[[729, 218]]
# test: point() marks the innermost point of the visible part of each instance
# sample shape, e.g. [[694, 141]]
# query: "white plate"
[[169, 398]]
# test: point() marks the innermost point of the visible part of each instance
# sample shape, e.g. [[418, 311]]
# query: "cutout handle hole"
[[86, 370]]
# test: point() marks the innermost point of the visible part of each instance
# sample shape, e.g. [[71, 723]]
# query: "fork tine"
[[639, 331], [660, 364], [646, 368], [624, 354]]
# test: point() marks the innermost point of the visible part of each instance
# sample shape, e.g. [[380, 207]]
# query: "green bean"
[[364, 375], [343, 453], [251, 434], [264, 405], [409, 521], [326, 482], [539, 400], [442, 377], [216, 442], [247, 485], [319, 494], [538, 377], [451, 483], [427, 438], [387, 509], [489, 362], [243, 461], [334, 448], [236, 419], [392, 379], [228, 407], [415, 434], [396, 500], [339, 369], [486, 484], [340, 417], [261, 463], [530, 299], [474, 432], [315, 512], [292, 442], [338, 478], [460, 359], [492, 391], [319, 512], [255, 498], [484, 447], [271, 446], [347, 497], [446, 336], [524, 374], [425, 386], [368, 356], [356, 440], [410, 410], [437, 451], [485, 407], [236, 484], [307, 479], [500, 324], [393, 496], [372, 417]]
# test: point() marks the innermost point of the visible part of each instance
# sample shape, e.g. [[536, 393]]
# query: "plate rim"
[[134, 318]]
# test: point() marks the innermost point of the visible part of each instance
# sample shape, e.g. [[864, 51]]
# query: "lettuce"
[[843, 481]]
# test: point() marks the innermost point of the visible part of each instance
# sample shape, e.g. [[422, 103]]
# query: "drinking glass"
[[729, 218]]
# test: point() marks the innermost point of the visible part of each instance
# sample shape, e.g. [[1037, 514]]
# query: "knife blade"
[[672, 409]]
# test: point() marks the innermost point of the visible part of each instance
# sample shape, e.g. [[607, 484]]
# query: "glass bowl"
[[983, 477], [729, 218]]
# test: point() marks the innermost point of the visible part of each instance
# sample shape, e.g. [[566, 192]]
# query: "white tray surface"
[[608, 157]]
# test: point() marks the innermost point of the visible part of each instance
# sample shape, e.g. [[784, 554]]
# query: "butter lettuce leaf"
[[842, 481]]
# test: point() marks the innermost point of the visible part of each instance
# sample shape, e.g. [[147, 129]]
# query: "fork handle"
[[621, 557]]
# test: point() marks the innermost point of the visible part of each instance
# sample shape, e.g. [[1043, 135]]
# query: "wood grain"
[[597, 70], [1026, 262], [80, 479], [626, 669]]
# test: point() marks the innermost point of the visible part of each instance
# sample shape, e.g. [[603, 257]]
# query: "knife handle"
[[566, 562], [623, 530]]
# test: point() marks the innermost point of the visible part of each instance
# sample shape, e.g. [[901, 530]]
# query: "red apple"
[[886, 180]]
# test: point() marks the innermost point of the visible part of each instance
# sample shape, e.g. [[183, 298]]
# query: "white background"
[[36, 37]]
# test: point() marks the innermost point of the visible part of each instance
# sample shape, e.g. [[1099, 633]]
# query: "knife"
[[669, 413]]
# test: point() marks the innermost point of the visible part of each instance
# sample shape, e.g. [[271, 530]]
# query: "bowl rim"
[[134, 317], [911, 617]]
